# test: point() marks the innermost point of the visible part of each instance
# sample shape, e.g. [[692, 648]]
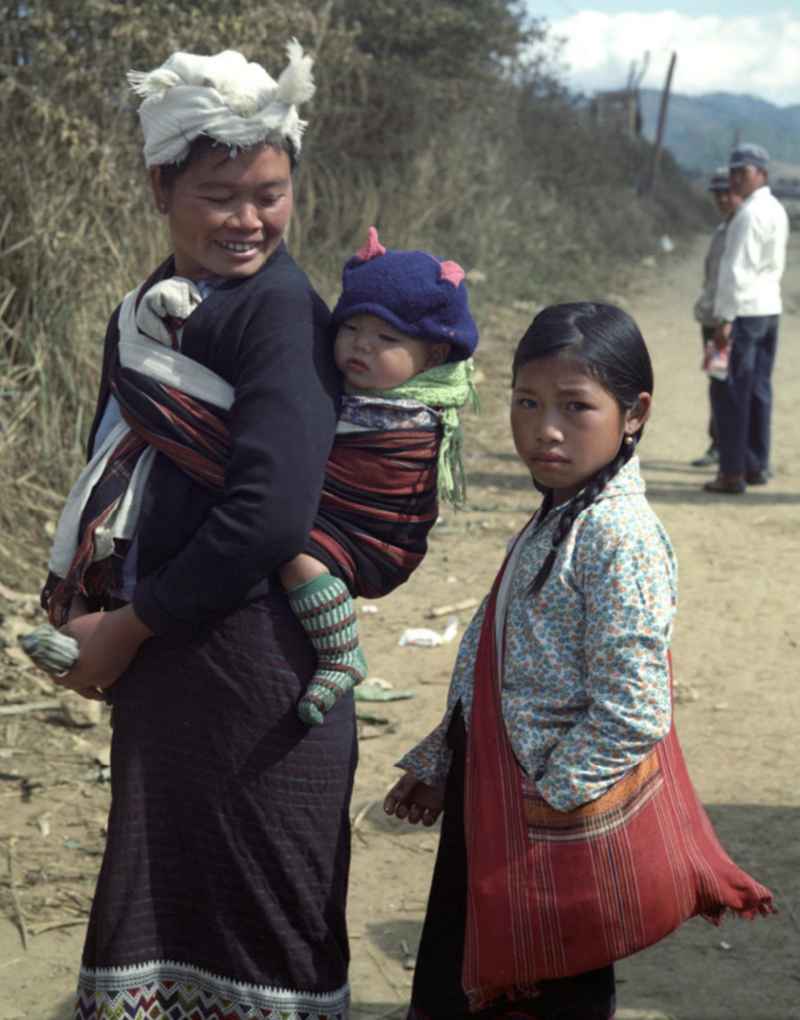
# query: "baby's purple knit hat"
[[411, 290]]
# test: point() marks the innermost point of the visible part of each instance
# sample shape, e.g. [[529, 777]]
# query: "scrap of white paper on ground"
[[426, 637]]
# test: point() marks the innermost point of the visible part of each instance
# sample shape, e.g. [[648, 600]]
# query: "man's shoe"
[[726, 485], [757, 478], [711, 456]]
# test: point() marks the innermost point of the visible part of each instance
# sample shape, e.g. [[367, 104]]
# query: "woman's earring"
[[629, 440]]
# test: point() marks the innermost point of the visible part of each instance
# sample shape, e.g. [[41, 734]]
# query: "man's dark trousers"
[[743, 402]]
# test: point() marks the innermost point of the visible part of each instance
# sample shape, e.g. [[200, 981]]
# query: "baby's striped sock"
[[327, 614]]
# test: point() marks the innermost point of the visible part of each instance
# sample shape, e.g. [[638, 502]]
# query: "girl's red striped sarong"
[[554, 894]]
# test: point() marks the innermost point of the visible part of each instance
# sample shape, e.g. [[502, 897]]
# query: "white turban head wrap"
[[223, 97]]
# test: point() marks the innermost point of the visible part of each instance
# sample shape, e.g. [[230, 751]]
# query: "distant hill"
[[702, 129]]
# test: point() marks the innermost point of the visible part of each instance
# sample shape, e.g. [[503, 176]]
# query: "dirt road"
[[736, 659]]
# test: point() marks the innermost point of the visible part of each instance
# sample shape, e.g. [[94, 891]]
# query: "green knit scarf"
[[445, 388]]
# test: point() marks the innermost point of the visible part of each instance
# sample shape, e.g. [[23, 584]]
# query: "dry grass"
[[475, 175]]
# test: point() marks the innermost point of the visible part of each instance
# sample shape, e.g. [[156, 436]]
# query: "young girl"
[[571, 835], [403, 343]]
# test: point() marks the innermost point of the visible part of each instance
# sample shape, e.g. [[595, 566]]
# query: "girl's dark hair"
[[607, 342], [202, 145]]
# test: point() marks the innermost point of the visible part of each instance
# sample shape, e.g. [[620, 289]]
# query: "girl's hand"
[[108, 643], [412, 799]]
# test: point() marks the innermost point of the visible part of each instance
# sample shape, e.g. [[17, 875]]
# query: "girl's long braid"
[[584, 499]]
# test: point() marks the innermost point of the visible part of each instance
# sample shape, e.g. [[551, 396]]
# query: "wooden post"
[[662, 123]]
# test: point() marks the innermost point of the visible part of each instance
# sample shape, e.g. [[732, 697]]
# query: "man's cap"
[[720, 180], [748, 154]]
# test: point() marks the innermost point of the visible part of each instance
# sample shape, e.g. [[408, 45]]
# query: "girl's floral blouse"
[[586, 690]]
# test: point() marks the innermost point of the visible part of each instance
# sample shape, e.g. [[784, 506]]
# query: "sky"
[[735, 46]]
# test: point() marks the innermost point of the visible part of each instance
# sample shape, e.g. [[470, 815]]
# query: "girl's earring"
[[629, 440]]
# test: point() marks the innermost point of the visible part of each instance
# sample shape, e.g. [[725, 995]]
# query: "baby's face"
[[372, 355]]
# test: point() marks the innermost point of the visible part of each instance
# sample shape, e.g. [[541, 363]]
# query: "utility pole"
[[662, 123]]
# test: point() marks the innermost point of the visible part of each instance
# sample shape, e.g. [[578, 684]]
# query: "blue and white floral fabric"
[[586, 690]]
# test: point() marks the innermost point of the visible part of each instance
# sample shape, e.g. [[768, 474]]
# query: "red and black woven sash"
[[378, 504], [195, 437]]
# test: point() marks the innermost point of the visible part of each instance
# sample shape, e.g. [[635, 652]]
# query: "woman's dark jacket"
[[203, 553]]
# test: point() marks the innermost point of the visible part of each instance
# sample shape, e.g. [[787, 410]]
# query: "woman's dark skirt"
[[222, 890], [437, 993]]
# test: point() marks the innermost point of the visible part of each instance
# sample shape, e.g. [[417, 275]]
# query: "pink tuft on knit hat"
[[452, 272], [372, 249]]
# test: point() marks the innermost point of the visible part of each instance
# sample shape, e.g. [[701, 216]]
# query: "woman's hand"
[[415, 800], [77, 607], [80, 607], [108, 643]]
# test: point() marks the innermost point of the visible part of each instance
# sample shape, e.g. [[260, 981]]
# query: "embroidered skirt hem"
[[177, 991]]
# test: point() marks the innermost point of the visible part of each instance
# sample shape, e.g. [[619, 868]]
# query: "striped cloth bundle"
[[378, 504]]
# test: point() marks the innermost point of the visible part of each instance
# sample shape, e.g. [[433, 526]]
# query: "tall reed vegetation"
[[444, 124]]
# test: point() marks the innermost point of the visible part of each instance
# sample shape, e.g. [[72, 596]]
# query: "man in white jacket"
[[747, 307]]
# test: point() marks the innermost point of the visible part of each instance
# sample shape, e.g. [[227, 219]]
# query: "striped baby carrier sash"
[[170, 404], [384, 479], [377, 506], [554, 894]]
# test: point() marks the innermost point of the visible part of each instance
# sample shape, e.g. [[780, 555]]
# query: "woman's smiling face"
[[566, 424], [226, 216]]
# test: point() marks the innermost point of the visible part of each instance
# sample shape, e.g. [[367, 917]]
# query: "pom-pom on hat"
[[415, 292]]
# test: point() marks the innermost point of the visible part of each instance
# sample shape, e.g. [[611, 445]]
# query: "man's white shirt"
[[754, 258]]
